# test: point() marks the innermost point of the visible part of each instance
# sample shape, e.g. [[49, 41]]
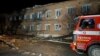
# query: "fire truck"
[[86, 36]]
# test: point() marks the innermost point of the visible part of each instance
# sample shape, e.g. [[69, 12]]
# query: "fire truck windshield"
[[87, 23]]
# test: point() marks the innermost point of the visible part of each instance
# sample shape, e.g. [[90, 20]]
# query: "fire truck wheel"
[[94, 50]]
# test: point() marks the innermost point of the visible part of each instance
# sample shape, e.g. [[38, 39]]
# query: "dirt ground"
[[36, 48]]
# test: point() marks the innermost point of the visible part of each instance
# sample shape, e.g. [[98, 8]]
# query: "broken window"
[[57, 27]]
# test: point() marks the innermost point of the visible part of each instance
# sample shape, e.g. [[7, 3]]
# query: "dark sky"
[[7, 6]]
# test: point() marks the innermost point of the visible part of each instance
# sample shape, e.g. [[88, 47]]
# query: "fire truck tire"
[[94, 50]]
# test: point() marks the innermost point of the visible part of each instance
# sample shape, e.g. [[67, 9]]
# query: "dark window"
[[27, 16], [87, 23], [27, 28], [71, 11], [19, 17], [33, 16], [32, 28], [48, 13], [58, 12], [86, 9], [39, 15]]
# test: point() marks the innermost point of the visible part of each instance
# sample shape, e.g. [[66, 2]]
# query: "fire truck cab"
[[86, 36]]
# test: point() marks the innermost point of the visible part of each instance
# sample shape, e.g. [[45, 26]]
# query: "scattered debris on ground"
[[31, 47]]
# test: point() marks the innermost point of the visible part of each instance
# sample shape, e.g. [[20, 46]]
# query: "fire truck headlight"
[[74, 43]]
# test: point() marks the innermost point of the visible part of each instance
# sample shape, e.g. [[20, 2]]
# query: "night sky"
[[8, 6]]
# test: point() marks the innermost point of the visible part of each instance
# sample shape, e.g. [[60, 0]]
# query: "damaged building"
[[54, 19]]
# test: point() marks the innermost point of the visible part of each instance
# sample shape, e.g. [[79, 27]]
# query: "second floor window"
[[72, 11], [58, 12], [39, 15], [33, 16], [85, 9], [48, 13]]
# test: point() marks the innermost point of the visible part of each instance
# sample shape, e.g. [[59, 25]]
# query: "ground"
[[37, 48]]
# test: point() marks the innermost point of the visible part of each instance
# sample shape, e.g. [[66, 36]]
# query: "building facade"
[[54, 19]]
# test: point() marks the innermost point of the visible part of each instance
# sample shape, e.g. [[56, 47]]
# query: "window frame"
[[57, 29], [58, 12], [39, 15], [86, 8], [32, 16], [46, 27], [48, 14], [31, 28], [71, 10], [39, 26], [27, 16]]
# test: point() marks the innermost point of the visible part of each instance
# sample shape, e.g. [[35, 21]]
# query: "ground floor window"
[[57, 27], [47, 27], [31, 28], [39, 27]]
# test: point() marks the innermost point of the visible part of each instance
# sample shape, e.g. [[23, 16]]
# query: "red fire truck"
[[86, 36]]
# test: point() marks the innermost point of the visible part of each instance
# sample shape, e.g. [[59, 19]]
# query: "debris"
[[33, 54], [26, 53], [40, 54]]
